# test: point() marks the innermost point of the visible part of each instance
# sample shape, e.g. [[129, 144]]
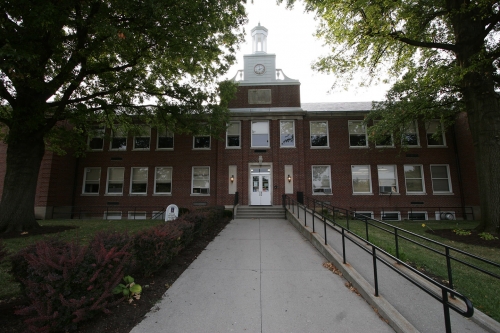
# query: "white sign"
[[171, 213]]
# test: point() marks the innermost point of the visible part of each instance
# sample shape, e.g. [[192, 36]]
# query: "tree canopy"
[[444, 58], [82, 62]]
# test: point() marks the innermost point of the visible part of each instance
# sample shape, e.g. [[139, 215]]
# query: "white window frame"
[[293, 134], [136, 215], [268, 133], [233, 135], [394, 189], [116, 135], [207, 192], [450, 191], [377, 145], [108, 182], [390, 212], [85, 181], [117, 215], [311, 134], [145, 129], [156, 180], [319, 192], [413, 126], [419, 212], [132, 180], [421, 179], [168, 134], [102, 131], [429, 133], [349, 122], [369, 178]]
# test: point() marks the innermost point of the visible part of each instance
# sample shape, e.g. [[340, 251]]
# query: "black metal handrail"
[[373, 249], [463, 212]]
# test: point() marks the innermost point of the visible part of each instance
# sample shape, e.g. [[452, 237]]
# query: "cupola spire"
[[259, 39]]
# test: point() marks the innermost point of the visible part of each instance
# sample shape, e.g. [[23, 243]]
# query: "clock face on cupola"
[[259, 69]]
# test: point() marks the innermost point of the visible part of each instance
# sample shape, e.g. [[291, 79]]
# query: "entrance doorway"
[[260, 186]]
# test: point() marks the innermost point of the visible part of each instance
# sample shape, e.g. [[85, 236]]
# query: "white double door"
[[260, 189]]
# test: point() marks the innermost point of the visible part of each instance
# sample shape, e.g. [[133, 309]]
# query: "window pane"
[[260, 127], [287, 140], [119, 143], [139, 174], [139, 187], [93, 174], [357, 140], [319, 140], [413, 171], [202, 142], [233, 129], [319, 128], [356, 127], [260, 134], [414, 185], [287, 134], [386, 172], [233, 141], [441, 185], [361, 180], [321, 178], [163, 187], [96, 143], [115, 187], [439, 171], [141, 143], [361, 185], [92, 188], [116, 174], [163, 174], [165, 142]]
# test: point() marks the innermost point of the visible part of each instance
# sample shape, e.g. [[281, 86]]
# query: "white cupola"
[[259, 39]]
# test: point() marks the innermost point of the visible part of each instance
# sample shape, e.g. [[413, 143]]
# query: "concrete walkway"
[[260, 275]]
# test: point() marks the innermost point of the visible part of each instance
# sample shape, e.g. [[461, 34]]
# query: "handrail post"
[[314, 211], [366, 227], [305, 216], [448, 265], [324, 221], [446, 310], [343, 245], [347, 217], [397, 242], [298, 210], [375, 275]]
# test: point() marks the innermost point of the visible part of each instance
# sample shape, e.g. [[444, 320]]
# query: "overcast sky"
[[290, 37]]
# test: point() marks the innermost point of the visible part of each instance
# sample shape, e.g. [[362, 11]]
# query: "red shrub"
[[67, 283], [155, 247]]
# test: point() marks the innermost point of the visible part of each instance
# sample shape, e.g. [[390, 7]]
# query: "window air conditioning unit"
[[327, 190], [205, 190], [385, 189], [450, 216]]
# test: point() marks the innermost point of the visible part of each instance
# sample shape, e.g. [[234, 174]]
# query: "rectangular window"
[[112, 215], [201, 180], [417, 216], [391, 216], [435, 134], [357, 134], [158, 215], [387, 179], [96, 138], [119, 140], [142, 139], [319, 133], [287, 133], [165, 139], [440, 175], [91, 180], [385, 141], [321, 179], [139, 181], [115, 181], [260, 134], [414, 178], [201, 142], [363, 215], [233, 134], [163, 180], [361, 179], [136, 215], [410, 135]]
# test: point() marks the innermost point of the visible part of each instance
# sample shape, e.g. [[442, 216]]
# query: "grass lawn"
[[85, 231], [481, 289]]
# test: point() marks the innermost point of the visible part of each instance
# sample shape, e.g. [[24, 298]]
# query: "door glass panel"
[[255, 183], [265, 183]]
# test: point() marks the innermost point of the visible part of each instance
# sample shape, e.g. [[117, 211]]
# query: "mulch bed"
[[42, 230], [126, 316], [472, 239]]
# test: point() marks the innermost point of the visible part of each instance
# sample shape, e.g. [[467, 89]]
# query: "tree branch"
[[397, 36]]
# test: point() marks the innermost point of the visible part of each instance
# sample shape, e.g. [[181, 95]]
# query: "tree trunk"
[[24, 157]]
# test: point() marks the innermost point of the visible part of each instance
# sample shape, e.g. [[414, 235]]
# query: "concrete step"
[[248, 212]]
